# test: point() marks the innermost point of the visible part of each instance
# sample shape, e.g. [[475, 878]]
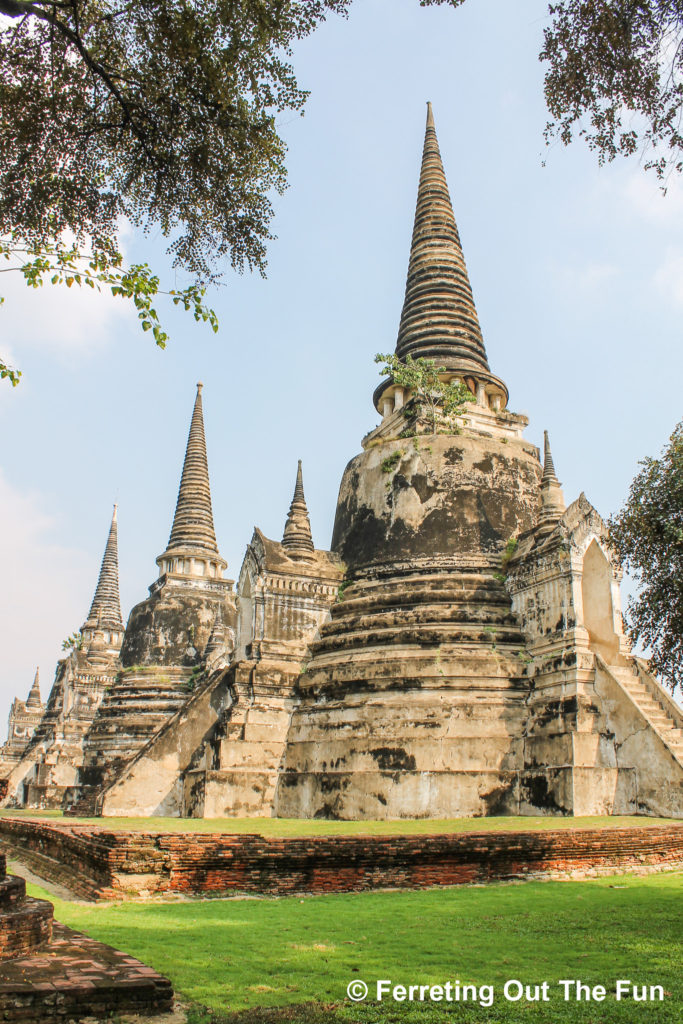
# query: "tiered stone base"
[[108, 864], [74, 978], [413, 705]]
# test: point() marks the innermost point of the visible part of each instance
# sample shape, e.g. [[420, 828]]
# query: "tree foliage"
[[161, 112], [62, 264], [441, 398], [615, 75], [647, 535]]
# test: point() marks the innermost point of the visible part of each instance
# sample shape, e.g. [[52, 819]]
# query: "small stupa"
[[50, 762]]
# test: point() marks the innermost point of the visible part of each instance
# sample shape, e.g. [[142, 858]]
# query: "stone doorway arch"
[[598, 606]]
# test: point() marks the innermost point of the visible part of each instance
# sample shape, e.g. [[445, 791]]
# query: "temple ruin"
[[457, 652]]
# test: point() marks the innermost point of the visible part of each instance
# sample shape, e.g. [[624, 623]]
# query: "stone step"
[[497, 603], [427, 634], [475, 617], [660, 720], [75, 978]]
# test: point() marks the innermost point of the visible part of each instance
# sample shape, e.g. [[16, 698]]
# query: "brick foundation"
[[25, 924], [49, 973], [102, 863], [75, 977]]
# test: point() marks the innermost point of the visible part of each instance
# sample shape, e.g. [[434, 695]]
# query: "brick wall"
[[98, 862]]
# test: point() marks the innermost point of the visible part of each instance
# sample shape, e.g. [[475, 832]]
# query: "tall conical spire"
[[552, 498], [297, 537], [439, 319], [193, 521], [548, 464], [106, 605], [33, 700]]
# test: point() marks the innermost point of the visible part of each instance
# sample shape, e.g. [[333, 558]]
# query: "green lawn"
[[240, 957], [307, 827]]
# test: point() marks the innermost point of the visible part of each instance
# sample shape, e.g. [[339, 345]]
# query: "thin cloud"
[[43, 592]]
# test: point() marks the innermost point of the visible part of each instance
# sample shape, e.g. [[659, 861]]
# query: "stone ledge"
[[76, 977], [104, 863]]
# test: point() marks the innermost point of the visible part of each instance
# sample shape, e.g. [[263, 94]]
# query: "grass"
[[314, 827], [290, 960]]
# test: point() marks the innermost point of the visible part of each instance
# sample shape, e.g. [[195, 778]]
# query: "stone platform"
[[101, 863], [73, 978], [51, 973]]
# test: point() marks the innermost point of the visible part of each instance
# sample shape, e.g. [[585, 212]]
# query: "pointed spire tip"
[[430, 115], [193, 520], [297, 536]]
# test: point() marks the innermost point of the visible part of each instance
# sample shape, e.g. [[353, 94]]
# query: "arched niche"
[[598, 608], [245, 616]]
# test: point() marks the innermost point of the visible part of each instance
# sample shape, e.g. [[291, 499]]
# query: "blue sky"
[[577, 274]]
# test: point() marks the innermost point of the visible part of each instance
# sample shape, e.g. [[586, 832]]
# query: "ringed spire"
[[193, 520], [439, 319], [33, 700], [297, 538], [105, 609]]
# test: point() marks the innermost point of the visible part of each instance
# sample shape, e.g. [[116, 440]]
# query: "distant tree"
[[425, 381], [647, 535]]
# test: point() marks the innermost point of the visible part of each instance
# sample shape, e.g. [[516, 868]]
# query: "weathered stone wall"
[[418, 497], [51, 761], [172, 626], [111, 865]]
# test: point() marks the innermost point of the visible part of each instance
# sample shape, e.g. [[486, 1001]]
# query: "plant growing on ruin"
[[508, 553], [647, 536], [425, 383], [391, 462], [73, 642]]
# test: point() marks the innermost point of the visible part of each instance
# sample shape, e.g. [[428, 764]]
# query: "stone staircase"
[[132, 712], [25, 923], [654, 703]]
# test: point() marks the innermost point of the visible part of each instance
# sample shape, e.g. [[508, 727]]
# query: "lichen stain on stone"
[[393, 759], [537, 793]]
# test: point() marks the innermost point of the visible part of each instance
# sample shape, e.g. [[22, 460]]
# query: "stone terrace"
[[75, 977], [51, 973], [101, 863]]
